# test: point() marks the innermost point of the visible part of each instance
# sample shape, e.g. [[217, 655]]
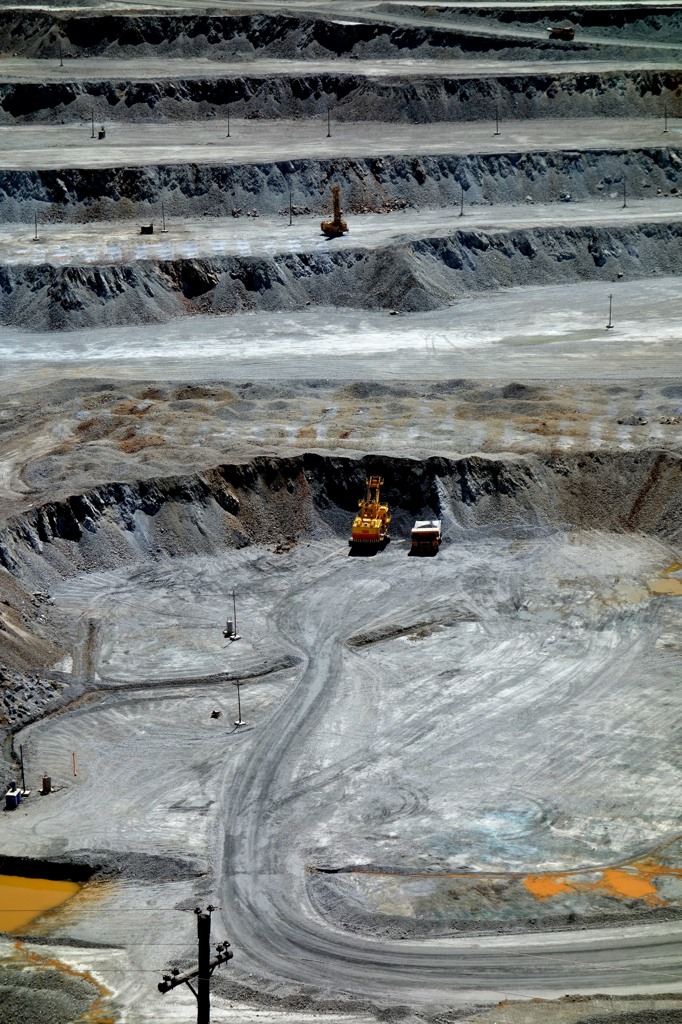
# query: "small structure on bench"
[[12, 797], [147, 229]]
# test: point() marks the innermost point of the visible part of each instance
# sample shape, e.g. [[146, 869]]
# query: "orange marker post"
[[75, 769]]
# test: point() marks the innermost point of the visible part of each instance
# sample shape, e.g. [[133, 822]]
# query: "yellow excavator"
[[337, 226], [370, 525]]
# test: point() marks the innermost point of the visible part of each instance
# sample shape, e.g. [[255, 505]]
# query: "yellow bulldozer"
[[370, 526], [337, 226]]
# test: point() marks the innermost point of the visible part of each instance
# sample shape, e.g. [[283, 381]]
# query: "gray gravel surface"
[[51, 147], [42, 997]]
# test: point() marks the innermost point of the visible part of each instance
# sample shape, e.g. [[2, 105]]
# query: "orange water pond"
[[23, 899]]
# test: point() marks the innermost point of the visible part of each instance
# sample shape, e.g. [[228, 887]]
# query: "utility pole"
[[203, 970], [23, 776], [204, 973], [610, 324], [230, 631]]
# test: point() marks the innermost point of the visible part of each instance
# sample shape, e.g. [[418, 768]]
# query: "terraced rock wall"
[[410, 276], [76, 195], [312, 495], [353, 98], [36, 34]]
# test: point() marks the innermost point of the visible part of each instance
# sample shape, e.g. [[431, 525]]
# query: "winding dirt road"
[[282, 788]]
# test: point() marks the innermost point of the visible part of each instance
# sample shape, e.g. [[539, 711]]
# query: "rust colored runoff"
[[97, 1012], [633, 880]]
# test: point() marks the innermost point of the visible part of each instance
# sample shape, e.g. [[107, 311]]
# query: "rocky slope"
[[421, 99], [409, 276]]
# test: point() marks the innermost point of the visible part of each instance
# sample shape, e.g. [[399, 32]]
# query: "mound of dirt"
[[409, 276]]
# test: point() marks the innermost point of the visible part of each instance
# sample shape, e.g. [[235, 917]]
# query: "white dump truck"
[[426, 537]]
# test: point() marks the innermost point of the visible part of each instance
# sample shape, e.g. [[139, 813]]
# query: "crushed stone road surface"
[[93, 69], [50, 147], [74, 245]]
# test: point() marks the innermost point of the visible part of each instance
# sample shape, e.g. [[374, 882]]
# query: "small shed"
[[12, 797]]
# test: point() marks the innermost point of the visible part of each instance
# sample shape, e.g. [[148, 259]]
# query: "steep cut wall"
[[75, 195], [409, 276], [352, 97], [312, 495]]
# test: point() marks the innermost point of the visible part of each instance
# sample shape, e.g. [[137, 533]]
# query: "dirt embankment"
[[353, 97], [662, 24], [74, 195], [409, 276], [38, 33], [314, 496]]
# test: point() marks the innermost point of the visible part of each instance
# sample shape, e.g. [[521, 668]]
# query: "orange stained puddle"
[[633, 880], [24, 899], [629, 879], [97, 1012], [544, 886]]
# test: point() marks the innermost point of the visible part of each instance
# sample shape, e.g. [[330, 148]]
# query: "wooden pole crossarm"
[[171, 981]]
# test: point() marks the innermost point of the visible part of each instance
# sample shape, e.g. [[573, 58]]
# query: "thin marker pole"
[[75, 767], [93, 125], [61, 59], [234, 612], [291, 212], [228, 123], [163, 221], [665, 119], [497, 120], [461, 203], [35, 233], [240, 720], [23, 776], [625, 195], [329, 123], [610, 324]]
